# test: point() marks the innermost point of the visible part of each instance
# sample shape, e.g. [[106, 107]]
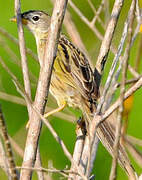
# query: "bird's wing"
[[78, 66]]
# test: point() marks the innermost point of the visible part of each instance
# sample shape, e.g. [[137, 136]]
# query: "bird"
[[72, 82]]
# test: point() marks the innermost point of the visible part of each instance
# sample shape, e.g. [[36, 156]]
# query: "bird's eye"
[[35, 18]]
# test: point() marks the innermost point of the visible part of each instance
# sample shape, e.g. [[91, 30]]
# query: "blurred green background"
[[16, 115]]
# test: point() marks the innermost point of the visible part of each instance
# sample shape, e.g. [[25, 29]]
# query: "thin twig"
[[9, 51], [53, 170], [112, 89], [106, 43], [93, 154], [103, 103], [138, 57], [16, 147], [134, 152], [107, 12], [96, 32], [10, 73], [83, 18], [25, 70], [104, 50], [84, 156], [77, 151], [8, 149], [122, 92], [38, 164], [100, 118], [134, 140], [97, 13], [12, 55], [15, 41], [12, 98], [21, 101], [130, 81], [133, 72], [4, 160], [139, 21]]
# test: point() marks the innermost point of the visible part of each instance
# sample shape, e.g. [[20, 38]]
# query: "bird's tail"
[[106, 134]]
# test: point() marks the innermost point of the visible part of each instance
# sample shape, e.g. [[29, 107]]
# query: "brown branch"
[[8, 149], [100, 118], [16, 147], [129, 92], [122, 92], [55, 135], [38, 164], [52, 170], [9, 51], [93, 155], [14, 78], [43, 87], [93, 28], [12, 98], [89, 154], [84, 19], [78, 148], [130, 81], [84, 155], [4, 161], [133, 72], [21, 101], [104, 50], [106, 43], [97, 13], [134, 140], [107, 12], [23, 51], [138, 57], [12, 55], [112, 78], [25, 70], [20, 89], [133, 151]]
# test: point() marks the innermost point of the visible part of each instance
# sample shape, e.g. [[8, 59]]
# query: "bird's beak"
[[24, 21]]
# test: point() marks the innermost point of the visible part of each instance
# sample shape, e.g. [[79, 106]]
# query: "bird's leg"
[[60, 108], [81, 125]]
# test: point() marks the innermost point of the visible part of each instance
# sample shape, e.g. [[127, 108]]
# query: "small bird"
[[72, 80]]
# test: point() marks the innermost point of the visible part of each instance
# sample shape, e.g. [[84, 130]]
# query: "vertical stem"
[[11, 163], [106, 43], [24, 64], [42, 88], [122, 93]]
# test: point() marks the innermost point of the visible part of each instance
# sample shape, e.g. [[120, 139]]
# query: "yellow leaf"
[[128, 104]]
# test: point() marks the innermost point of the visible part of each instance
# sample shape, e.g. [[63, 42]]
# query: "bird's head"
[[36, 21]]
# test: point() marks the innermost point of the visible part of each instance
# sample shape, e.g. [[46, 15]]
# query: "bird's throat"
[[41, 44]]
